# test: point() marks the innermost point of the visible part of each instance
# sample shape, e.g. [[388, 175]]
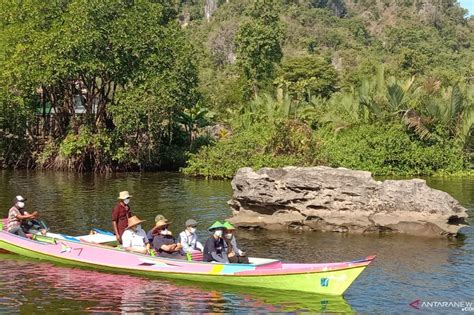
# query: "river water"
[[406, 269]]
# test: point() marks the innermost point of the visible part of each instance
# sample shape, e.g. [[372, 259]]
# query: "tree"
[[258, 44], [83, 57], [309, 76]]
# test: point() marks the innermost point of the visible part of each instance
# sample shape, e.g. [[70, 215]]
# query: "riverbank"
[[384, 149]]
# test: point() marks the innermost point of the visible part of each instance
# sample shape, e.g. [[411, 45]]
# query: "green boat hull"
[[307, 282]]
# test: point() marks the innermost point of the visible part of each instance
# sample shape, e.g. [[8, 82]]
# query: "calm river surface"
[[406, 269]]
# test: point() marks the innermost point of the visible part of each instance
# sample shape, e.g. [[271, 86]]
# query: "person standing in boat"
[[214, 249], [234, 254], [134, 237], [120, 215], [188, 238], [17, 216], [164, 243]]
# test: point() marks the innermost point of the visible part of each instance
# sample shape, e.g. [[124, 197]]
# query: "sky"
[[468, 4]]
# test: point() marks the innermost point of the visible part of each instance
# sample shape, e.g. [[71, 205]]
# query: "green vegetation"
[[384, 86]]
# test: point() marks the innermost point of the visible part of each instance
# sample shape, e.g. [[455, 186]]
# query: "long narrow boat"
[[325, 278]]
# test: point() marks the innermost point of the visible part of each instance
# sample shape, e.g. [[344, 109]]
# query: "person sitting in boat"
[[188, 238], [17, 216], [164, 243], [134, 237], [120, 215], [149, 234], [234, 254], [214, 249]]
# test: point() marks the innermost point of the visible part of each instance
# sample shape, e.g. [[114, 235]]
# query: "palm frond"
[[395, 96], [416, 123]]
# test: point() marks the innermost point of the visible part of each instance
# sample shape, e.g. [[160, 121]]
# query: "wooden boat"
[[124, 289], [321, 278]]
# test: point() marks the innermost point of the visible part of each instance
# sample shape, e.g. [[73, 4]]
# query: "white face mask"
[[165, 232], [218, 233], [192, 230], [228, 236], [20, 204], [139, 226], [126, 201]]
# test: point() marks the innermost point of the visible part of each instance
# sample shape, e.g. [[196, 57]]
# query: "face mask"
[[20, 204], [139, 227], [192, 230], [228, 236], [164, 232], [218, 233], [126, 201]]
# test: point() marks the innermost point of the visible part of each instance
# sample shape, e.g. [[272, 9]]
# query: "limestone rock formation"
[[341, 200]]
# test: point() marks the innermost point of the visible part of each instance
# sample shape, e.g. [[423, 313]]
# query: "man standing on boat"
[[120, 215]]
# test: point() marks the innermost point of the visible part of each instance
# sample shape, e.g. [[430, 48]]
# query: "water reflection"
[[75, 289]]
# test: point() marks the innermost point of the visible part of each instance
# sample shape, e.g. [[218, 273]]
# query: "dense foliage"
[[385, 86], [103, 81]]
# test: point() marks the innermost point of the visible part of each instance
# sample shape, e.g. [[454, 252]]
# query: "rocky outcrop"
[[341, 200]]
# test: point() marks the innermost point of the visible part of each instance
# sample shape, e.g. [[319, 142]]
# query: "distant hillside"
[[411, 37]]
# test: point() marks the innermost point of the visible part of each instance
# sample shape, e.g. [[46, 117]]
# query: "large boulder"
[[341, 200]]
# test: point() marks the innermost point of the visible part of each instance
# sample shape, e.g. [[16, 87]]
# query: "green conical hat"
[[216, 225], [228, 226]]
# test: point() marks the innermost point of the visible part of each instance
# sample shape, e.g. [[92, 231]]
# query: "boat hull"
[[328, 279]]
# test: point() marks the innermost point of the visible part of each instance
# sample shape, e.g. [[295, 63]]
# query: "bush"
[[389, 150], [257, 146], [85, 151]]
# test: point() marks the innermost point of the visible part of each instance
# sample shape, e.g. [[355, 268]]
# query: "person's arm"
[[117, 235], [183, 238], [236, 249], [199, 246], [159, 244], [171, 247], [26, 216], [115, 216]]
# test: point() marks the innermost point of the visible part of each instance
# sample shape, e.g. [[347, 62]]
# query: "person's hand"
[[179, 246], [119, 239]]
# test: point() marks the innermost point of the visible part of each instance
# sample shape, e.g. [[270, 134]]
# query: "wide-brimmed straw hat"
[[162, 222], [132, 221], [159, 224], [159, 217], [216, 225], [124, 195]]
